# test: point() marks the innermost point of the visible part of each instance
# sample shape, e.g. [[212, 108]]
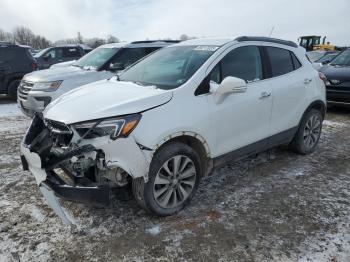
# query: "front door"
[[240, 119]]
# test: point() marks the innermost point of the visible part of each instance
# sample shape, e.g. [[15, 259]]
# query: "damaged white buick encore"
[[171, 118]]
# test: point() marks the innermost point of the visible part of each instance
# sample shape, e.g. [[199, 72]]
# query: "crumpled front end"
[[69, 167]]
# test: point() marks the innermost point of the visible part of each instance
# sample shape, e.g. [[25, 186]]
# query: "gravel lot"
[[277, 206]]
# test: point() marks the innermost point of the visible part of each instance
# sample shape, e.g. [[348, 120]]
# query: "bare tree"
[[80, 39], [6, 36], [185, 37], [23, 35], [112, 39], [95, 42]]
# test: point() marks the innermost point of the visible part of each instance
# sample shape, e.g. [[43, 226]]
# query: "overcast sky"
[[154, 19]]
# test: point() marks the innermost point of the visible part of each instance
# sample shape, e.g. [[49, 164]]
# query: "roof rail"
[[266, 39], [154, 41]]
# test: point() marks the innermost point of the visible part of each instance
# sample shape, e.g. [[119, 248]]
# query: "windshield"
[[169, 67], [96, 58], [343, 59], [326, 58], [40, 53]]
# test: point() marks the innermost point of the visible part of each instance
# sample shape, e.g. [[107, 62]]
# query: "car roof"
[[223, 41], [146, 43], [205, 41], [8, 44]]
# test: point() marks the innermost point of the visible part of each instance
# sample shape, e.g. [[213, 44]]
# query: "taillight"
[[322, 77], [34, 66]]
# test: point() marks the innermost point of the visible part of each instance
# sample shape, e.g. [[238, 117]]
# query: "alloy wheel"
[[312, 131], [174, 181]]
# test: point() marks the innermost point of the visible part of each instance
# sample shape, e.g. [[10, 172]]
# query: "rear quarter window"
[[7, 54]]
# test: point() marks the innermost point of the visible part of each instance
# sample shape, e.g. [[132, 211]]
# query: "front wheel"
[[174, 176], [308, 134]]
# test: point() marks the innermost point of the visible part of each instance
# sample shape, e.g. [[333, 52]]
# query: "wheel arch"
[[195, 141], [317, 104]]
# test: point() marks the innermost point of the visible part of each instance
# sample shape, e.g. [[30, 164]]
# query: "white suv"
[[172, 117]]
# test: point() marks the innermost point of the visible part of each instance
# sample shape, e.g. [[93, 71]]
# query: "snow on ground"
[[9, 109], [276, 206]]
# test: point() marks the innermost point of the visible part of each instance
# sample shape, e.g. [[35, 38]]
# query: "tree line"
[[24, 36]]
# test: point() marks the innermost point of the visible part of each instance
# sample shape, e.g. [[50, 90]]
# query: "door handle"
[[265, 95], [307, 81]]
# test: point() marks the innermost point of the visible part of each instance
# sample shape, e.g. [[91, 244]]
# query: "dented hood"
[[105, 98]]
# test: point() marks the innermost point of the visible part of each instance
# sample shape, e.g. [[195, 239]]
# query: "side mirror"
[[231, 85], [116, 67]]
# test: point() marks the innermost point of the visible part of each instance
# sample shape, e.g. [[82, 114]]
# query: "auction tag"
[[209, 48]]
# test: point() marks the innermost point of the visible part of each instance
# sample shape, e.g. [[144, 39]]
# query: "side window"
[[59, 53], [51, 54], [149, 50], [296, 61], [281, 61], [242, 62], [128, 56], [71, 52], [7, 54]]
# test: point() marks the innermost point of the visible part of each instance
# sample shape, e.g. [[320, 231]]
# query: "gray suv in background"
[[53, 55], [15, 62], [40, 88]]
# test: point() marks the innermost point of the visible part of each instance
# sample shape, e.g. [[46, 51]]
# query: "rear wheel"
[[12, 89], [308, 134], [174, 176]]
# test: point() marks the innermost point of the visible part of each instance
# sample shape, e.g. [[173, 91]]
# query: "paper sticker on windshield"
[[209, 48]]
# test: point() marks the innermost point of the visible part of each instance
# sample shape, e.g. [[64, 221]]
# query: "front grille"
[[24, 89], [57, 127]]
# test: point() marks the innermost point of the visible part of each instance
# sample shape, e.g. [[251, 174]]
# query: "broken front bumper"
[[52, 186], [36, 157]]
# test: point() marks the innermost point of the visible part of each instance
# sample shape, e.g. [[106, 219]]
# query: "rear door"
[[288, 84]]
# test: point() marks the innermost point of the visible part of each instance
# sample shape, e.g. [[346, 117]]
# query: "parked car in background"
[[326, 59], [166, 121], [53, 55], [15, 62], [63, 64], [38, 89], [317, 55], [338, 79]]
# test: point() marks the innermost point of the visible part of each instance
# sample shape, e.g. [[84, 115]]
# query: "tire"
[[167, 191], [12, 89], [308, 134]]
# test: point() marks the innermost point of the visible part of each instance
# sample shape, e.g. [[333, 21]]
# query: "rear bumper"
[[338, 95]]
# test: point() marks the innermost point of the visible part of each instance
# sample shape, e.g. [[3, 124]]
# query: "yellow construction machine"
[[313, 42]]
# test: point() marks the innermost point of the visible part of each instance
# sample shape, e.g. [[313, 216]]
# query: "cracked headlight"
[[114, 127], [47, 86]]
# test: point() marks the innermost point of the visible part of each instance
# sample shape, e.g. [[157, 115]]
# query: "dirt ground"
[[277, 206]]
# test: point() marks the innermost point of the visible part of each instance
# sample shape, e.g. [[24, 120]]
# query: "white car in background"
[[168, 120], [39, 88]]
